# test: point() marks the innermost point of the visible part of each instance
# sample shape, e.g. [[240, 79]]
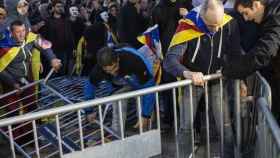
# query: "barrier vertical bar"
[[121, 118], [101, 124], [59, 136], [139, 115], [237, 116], [270, 144], [12, 145], [207, 119], [274, 151], [157, 110], [81, 130], [192, 119], [36, 138], [264, 133], [221, 118], [175, 110]]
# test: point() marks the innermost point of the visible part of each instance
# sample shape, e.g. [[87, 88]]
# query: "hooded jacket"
[[198, 51], [138, 76], [11, 8], [21, 61]]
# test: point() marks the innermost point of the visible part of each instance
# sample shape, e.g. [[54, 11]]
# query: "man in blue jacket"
[[126, 69]]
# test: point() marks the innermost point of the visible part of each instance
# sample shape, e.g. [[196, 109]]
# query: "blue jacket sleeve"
[[134, 82], [148, 100], [89, 93], [149, 83]]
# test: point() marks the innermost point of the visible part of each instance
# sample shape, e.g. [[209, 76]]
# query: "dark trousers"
[[19, 104], [167, 99]]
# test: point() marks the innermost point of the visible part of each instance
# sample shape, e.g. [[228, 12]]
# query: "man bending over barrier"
[[126, 69]]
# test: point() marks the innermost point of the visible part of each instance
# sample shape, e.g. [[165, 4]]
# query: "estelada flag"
[[152, 50], [192, 27], [9, 50], [151, 38], [6, 42]]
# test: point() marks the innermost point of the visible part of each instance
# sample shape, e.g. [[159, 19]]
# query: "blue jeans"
[[214, 101]]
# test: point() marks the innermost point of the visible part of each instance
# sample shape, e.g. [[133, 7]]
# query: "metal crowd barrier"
[[142, 143], [247, 115], [268, 132], [51, 93]]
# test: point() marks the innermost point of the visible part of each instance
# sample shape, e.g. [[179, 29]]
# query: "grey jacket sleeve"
[[172, 63]]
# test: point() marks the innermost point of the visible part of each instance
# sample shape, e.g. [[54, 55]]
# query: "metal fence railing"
[[268, 132], [247, 113], [51, 93], [67, 132], [150, 146]]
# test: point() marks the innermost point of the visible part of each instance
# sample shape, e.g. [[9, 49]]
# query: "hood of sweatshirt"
[[11, 8]]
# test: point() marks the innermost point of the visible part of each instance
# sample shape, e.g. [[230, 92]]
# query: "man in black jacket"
[[131, 23], [167, 14], [266, 50], [58, 30]]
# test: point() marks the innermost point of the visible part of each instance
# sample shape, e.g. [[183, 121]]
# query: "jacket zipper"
[[23, 62], [211, 57]]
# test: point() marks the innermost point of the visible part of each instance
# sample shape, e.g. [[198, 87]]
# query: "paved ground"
[[171, 148], [180, 147]]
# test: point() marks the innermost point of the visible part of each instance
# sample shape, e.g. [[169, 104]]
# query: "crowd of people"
[[98, 39]]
